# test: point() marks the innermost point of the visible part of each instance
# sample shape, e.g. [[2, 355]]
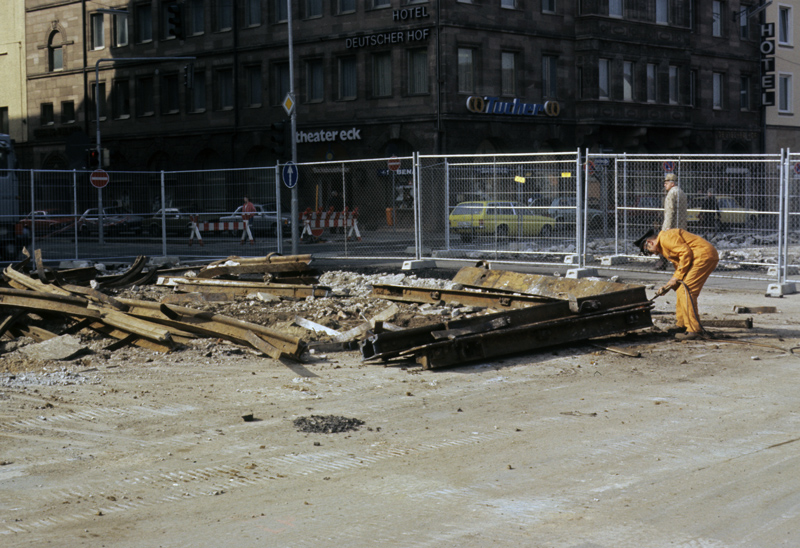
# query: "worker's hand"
[[661, 291], [673, 283]]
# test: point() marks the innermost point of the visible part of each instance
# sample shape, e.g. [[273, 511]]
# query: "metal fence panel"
[[514, 207], [361, 208]]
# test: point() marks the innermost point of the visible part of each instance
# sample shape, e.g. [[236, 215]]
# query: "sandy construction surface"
[[693, 444]]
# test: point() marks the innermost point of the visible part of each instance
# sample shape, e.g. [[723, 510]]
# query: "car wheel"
[[502, 231], [751, 223], [466, 237], [154, 231], [595, 223], [546, 231]]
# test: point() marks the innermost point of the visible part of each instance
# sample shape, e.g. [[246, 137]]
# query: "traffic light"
[[280, 139], [188, 75], [92, 158], [175, 21]]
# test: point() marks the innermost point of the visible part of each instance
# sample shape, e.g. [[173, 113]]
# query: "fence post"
[[75, 209], [279, 230], [446, 204], [33, 215], [416, 189], [580, 237], [344, 205], [163, 217]]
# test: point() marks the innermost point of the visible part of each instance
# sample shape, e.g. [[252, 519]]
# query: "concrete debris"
[[64, 347]]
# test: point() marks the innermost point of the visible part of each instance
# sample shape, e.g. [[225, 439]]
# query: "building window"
[[652, 83], [196, 17], [197, 93], [101, 93], [121, 101], [381, 3], [549, 80], [662, 12], [674, 86], [744, 23], [98, 31], [717, 91], [280, 82], [224, 89], [785, 93], [55, 52], [716, 18], [602, 78], [120, 29], [4, 124], [382, 74], [785, 25], [417, 71], [345, 6], [548, 6], [170, 96], [315, 81], [348, 84], [508, 74], [313, 8], [466, 68], [615, 8], [144, 96], [46, 114], [252, 13], [144, 23], [254, 94], [693, 88], [744, 93], [627, 81], [280, 13], [508, 4], [67, 112], [224, 11]]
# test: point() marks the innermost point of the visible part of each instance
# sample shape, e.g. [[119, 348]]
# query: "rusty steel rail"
[[456, 296], [396, 343]]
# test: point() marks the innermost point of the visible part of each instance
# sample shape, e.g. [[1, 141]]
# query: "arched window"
[[55, 52]]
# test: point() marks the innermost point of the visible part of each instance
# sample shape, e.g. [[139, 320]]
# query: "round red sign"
[[394, 163], [99, 178]]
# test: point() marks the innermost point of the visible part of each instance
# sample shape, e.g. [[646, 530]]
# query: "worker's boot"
[[688, 336]]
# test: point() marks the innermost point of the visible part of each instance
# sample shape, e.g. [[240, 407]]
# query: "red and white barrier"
[[315, 222], [220, 227]]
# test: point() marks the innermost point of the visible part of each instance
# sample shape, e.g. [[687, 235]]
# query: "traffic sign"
[[669, 167], [394, 163], [288, 104], [99, 178], [797, 168], [290, 174]]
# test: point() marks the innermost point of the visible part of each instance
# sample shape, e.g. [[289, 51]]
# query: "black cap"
[[640, 242]]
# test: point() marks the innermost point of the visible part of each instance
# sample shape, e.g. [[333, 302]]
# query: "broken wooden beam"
[[240, 288]]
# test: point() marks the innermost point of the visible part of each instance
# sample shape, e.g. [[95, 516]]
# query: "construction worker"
[[694, 260]]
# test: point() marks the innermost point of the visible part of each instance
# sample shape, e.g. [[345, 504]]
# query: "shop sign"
[[383, 38], [325, 136], [493, 105]]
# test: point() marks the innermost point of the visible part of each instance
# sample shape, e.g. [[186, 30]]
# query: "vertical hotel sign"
[[767, 48]]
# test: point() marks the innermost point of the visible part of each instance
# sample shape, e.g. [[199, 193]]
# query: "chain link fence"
[[544, 208]]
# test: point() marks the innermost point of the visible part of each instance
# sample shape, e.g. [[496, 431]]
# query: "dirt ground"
[[692, 444]]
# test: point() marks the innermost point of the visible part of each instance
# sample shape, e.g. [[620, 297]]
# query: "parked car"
[[563, 210], [116, 220], [482, 218], [176, 221], [264, 221], [46, 222], [730, 214]]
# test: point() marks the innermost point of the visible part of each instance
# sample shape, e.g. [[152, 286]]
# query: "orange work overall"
[[694, 259]]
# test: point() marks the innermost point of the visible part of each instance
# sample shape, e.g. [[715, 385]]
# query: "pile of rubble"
[[283, 308]]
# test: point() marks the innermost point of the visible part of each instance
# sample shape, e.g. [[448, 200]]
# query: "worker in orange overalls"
[[694, 259]]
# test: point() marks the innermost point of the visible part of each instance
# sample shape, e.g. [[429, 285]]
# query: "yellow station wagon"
[[502, 219]]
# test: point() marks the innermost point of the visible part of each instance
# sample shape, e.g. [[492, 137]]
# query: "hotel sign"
[[767, 48], [395, 37], [493, 105]]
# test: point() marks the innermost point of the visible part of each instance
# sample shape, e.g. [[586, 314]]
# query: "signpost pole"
[[295, 207]]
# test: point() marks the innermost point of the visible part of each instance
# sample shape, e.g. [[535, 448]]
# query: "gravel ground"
[[690, 445]]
